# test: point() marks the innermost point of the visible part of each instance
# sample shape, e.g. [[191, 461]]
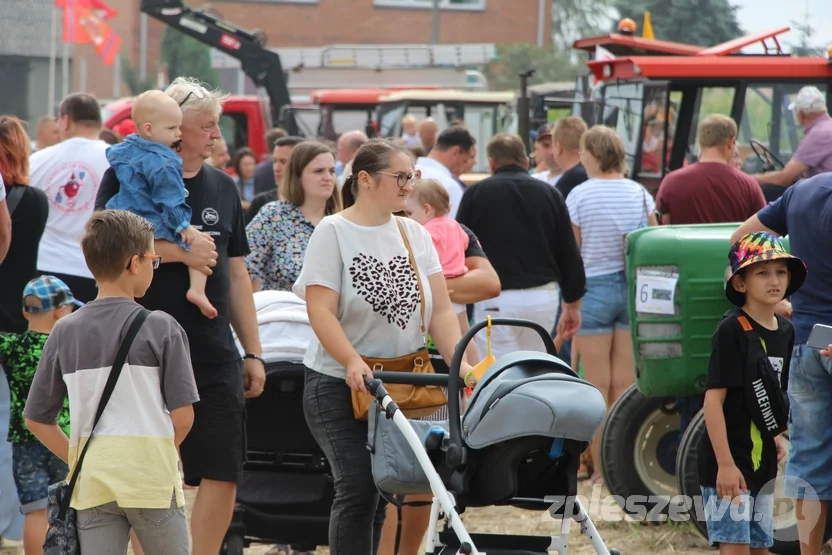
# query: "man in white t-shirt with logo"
[[70, 173], [449, 157]]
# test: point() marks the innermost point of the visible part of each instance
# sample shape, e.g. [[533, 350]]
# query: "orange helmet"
[[627, 26]]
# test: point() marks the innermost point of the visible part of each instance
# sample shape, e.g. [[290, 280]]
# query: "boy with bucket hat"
[[46, 299], [746, 408]]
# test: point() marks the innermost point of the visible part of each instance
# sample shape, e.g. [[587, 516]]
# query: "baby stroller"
[[519, 443], [286, 491]]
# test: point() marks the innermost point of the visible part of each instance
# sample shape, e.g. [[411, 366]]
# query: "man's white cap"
[[809, 99]]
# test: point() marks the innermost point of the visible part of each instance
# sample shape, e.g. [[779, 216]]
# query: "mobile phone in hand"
[[821, 337]]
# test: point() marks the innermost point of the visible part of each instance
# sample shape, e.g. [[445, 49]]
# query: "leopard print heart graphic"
[[391, 289]]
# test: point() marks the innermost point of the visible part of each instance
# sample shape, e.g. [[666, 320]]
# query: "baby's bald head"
[[157, 117]]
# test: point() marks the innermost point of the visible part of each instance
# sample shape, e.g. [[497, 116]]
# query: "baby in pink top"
[[429, 204]]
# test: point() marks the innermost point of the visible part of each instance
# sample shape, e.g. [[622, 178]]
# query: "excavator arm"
[[260, 64]]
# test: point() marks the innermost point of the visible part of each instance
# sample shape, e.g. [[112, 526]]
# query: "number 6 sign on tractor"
[[655, 291]]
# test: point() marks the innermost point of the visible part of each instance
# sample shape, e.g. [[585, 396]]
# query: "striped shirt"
[[132, 459], [606, 210]]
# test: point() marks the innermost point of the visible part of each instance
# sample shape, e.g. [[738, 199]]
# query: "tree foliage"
[[187, 57], [805, 32], [701, 22], [574, 19], [550, 64]]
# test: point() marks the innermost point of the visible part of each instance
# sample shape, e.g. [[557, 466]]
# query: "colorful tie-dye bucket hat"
[[760, 247]]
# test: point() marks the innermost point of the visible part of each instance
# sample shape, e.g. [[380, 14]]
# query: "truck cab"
[[657, 102], [485, 114], [244, 121]]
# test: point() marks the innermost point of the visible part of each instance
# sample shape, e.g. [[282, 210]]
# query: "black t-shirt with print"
[[217, 211], [754, 455], [474, 250]]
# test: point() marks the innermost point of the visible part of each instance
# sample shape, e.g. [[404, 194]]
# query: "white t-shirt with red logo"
[[69, 173]]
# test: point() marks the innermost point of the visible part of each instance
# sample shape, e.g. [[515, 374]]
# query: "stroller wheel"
[[615, 552], [233, 545]]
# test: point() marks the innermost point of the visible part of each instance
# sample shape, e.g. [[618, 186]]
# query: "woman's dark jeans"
[[358, 512]]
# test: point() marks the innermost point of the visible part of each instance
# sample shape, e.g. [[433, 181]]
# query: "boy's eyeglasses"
[[197, 92], [155, 260], [402, 179]]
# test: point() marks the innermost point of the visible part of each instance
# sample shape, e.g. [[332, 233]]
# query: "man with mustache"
[[150, 173]]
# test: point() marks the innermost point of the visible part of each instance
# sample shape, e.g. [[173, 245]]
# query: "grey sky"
[[760, 15]]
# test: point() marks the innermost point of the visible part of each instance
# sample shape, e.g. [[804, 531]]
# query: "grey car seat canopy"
[[519, 396]]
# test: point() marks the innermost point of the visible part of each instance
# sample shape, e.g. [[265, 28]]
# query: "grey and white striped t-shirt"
[[606, 210]]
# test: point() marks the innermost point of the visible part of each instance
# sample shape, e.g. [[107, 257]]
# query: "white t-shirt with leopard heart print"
[[379, 297]]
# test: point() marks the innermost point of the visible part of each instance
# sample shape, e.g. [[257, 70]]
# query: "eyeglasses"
[[155, 260], [402, 179], [197, 92]]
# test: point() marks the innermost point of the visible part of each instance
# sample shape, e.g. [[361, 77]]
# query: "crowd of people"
[[391, 252]]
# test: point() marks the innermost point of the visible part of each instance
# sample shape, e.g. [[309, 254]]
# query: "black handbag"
[[767, 403], [62, 535]]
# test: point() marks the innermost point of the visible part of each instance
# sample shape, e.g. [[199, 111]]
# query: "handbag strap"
[[418, 276], [13, 198], [109, 387]]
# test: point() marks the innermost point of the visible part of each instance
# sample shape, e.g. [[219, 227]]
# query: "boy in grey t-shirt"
[[130, 477]]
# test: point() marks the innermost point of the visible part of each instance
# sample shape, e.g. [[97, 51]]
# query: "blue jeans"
[[358, 512], [604, 307], [11, 520], [751, 522], [810, 399], [35, 469]]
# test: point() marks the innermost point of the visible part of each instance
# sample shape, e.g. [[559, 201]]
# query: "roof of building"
[[25, 28]]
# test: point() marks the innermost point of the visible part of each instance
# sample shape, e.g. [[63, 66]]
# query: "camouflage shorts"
[[35, 469]]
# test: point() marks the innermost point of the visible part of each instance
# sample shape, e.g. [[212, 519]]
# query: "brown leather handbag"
[[415, 401]]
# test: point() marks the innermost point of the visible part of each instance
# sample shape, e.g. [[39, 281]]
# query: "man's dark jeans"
[[358, 512]]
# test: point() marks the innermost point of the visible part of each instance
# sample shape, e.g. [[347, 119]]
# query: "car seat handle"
[[456, 454]]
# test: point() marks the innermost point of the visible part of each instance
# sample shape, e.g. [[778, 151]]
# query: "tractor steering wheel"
[[769, 161]]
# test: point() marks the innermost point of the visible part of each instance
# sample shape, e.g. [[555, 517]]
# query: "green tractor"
[[648, 448]]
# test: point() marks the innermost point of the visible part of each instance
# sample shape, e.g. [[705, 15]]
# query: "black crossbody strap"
[[13, 198], [109, 387]]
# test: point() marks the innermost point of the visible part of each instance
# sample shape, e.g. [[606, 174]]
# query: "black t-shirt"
[[216, 210], [725, 371], [259, 202], [20, 265], [570, 179], [474, 250], [524, 226]]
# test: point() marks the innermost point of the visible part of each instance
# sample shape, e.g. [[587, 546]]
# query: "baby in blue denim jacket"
[[150, 175]]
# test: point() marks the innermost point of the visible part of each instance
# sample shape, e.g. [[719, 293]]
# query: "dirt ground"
[[628, 538]]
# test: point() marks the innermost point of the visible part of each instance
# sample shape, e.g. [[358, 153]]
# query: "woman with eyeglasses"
[[363, 299], [279, 233]]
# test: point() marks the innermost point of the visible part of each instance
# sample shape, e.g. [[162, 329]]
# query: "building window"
[[474, 5]]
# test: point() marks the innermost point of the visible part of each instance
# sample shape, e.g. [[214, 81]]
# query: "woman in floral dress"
[[278, 235]]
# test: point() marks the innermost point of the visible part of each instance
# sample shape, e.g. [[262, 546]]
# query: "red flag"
[[82, 26], [101, 9]]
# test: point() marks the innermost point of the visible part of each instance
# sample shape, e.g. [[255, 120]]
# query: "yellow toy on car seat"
[[472, 377]]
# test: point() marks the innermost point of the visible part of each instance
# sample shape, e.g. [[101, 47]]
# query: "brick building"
[[317, 23]]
